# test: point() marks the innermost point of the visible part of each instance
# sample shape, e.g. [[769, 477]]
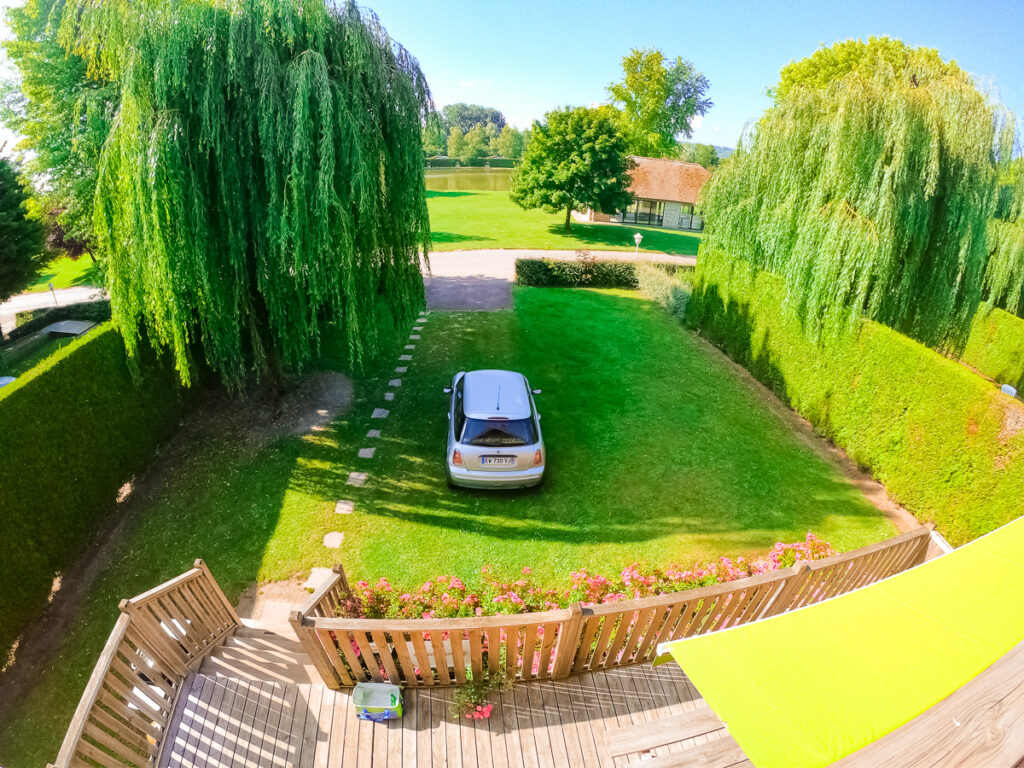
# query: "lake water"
[[472, 179]]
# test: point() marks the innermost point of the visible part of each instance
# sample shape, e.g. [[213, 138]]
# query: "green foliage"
[[263, 176], [826, 65], [21, 238], [474, 145], [672, 291], [658, 103], [702, 154], [583, 272], [72, 431], [996, 346], [64, 118], [576, 160], [456, 143], [947, 444], [465, 116], [1004, 274], [509, 143], [434, 140], [470, 699], [869, 196]]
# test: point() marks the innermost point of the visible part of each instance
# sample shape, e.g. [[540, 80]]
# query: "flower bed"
[[450, 597]]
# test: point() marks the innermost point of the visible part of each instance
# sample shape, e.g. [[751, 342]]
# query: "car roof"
[[495, 393]]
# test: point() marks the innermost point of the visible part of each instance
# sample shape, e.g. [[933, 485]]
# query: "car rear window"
[[501, 432]]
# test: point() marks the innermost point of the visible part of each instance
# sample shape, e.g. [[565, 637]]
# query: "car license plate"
[[498, 461]]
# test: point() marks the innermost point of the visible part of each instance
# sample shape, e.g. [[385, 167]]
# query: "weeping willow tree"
[[1004, 276], [869, 194], [263, 176]]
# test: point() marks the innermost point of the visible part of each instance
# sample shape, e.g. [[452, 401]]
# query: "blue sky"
[[527, 57]]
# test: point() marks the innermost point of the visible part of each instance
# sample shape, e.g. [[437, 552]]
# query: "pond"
[[472, 179]]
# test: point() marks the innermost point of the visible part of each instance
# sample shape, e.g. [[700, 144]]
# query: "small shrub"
[[470, 699], [585, 272], [669, 289]]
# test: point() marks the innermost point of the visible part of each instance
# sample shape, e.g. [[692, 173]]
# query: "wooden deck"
[[228, 721]]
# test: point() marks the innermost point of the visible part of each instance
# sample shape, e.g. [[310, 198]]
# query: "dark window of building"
[[650, 212]]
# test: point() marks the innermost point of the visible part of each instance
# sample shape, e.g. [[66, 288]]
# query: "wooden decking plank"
[[176, 741], [497, 734], [482, 740], [350, 758], [283, 749], [325, 723], [578, 743], [466, 737], [524, 725], [534, 704], [213, 701], [395, 739], [720, 753], [591, 716], [510, 729], [409, 715], [556, 726], [304, 733], [436, 717], [624, 741]]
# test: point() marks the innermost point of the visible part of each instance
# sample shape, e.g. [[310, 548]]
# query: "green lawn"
[[66, 273], [657, 452], [33, 358], [462, 219]]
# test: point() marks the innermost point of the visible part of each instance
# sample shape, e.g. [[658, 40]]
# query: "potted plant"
[[470, 700]]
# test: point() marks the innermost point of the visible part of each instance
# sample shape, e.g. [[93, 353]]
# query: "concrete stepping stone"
[[389, 395], [405, 357], [373, 433], [367, 453], [357, 479], [333, 539], [380, 413], [317, 578], [402, 369], [417, 327], [395, 383], [344, 507], [414, 335], [410, 346]]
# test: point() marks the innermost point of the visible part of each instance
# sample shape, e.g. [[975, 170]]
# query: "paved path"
[[26, 301], [482, 279]]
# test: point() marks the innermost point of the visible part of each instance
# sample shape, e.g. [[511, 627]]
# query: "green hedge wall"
[[576, 273], [947, 444], [72, 432], [996, 346], [477, 162], [35, 319]]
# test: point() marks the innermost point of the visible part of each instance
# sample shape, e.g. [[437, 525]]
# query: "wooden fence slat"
[[422, 658], [440, 657], [458, 654]]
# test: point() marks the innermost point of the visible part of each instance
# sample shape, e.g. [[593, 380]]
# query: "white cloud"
[[475, 83]]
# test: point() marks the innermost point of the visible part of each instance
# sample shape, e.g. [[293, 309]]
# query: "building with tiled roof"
[[664, 195]]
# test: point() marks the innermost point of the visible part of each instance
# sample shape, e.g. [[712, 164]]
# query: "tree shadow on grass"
[[449, 193], [438, 238]]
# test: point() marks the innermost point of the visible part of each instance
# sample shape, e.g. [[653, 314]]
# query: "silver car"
[[494, 438]]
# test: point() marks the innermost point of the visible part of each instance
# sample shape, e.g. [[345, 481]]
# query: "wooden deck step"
[[667, 730], [260, 655], [723, 752]]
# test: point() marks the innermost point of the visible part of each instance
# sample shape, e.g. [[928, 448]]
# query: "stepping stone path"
[[410, 346], [317, 577], [380, 413], [389, 395], [357, 479], [414, 335], [373, 433], [395, 383], [417, 327], [333, 539], [366, 453], [402, 369], [344, 507], [405, 357]]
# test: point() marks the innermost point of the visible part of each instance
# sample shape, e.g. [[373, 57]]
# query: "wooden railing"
[[160, 636], [556, 644]]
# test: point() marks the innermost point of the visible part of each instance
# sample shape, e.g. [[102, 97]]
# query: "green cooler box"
[[377, 701]]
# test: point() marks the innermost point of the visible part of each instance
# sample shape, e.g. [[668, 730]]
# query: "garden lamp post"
[[636, 239]]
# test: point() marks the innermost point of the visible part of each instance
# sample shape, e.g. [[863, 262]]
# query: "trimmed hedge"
[[996, 346], [669, 290], [478, 162], [945, 443], [35, 319], [575, 273], [73, 430]]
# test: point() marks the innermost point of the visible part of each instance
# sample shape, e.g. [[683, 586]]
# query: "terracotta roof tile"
[[659, 179]]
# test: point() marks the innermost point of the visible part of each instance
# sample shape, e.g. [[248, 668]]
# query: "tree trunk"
[[568, 217]]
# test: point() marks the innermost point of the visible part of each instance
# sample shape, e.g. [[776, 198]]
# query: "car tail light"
[[537, 458], [457, 458]]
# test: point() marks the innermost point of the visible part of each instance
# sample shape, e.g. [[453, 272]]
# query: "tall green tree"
[[475, 145], [491, 133], [465, 116], [21, 238], [1004, 273], [702, 154], [509, 143], [434, 142], [456, 142], [576, 160], [658, 103], [64, 117], [869, 194], [263, 176]]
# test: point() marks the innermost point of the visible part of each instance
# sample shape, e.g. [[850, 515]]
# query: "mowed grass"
[[66, 273], [464, 219], [657, 453]]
